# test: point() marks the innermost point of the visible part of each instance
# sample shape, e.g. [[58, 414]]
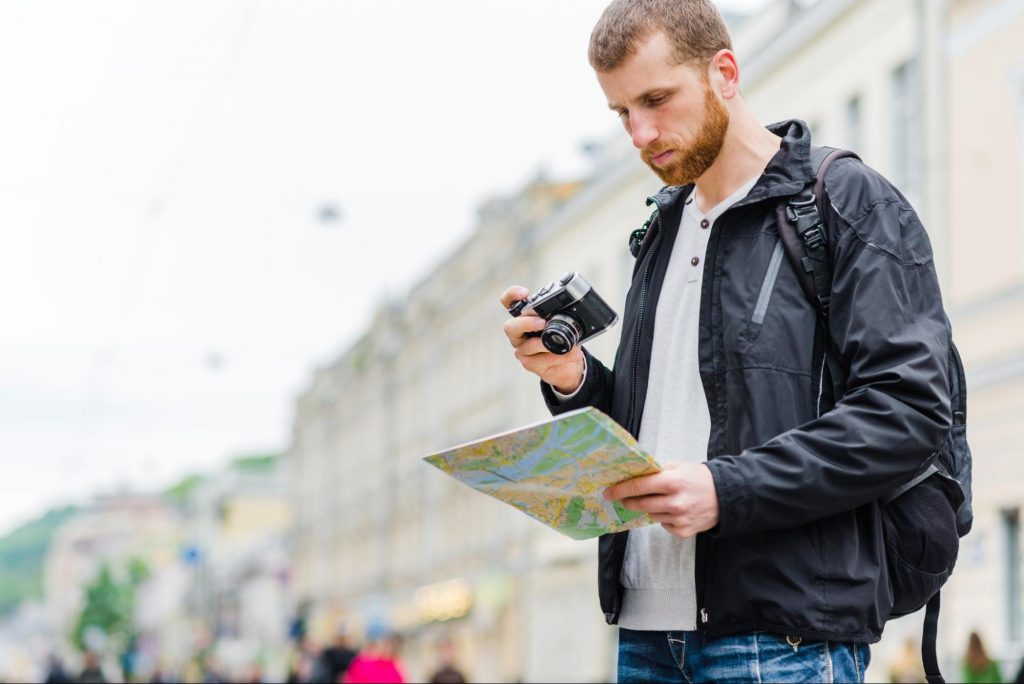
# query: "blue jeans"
[[690, 658]]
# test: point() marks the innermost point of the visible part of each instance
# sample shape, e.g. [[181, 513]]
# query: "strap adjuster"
[[636, 238], [813, 237]]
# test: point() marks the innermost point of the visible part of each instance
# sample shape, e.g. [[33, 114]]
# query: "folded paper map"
[[556, 471]]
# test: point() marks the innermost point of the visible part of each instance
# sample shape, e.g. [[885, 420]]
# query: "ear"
[[724, 73]]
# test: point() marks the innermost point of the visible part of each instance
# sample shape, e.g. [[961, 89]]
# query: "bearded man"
[[768, 563]]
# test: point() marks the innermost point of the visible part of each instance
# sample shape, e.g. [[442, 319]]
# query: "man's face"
[[676, 120]]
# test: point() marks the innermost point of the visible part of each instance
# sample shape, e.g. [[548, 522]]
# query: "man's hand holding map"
[[556, 471]]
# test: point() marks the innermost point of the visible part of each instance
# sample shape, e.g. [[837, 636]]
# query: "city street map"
[[556, 471]]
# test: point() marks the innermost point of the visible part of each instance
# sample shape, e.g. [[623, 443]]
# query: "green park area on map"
[[556, 471]]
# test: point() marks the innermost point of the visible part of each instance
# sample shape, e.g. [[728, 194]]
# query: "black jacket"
[[798, 549]]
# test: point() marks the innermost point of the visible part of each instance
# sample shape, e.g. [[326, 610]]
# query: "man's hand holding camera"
[[564, 372], [681, 497]]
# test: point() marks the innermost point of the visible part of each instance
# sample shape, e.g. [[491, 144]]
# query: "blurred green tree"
[[110, 610], [23, 555]]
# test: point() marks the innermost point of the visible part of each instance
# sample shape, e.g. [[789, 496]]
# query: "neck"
[[747, 149]]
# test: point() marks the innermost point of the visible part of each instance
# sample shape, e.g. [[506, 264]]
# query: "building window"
[[907, 130], [853, 125], [1012, 573]]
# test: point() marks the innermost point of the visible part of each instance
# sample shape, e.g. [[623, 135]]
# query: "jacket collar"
[[788, 172]]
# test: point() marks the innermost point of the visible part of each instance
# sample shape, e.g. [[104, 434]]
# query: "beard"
[[693, 159]]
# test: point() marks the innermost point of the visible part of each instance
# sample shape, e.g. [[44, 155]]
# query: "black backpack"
[[922, 520]]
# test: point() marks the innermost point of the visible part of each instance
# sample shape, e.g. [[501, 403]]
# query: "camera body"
[[573, 310]]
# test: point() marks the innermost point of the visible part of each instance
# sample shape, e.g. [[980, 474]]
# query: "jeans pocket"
[[793, 659]]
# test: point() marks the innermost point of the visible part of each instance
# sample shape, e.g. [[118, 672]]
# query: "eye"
[[655, 101]]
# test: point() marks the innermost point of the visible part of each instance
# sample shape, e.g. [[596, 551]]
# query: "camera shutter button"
[[566, 278]]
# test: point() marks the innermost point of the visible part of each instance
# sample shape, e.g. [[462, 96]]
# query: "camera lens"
[[560, 334]]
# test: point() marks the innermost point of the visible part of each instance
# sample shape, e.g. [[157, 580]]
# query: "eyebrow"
[[646, 95]]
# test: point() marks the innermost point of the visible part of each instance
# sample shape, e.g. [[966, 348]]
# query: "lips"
[[663, 157]]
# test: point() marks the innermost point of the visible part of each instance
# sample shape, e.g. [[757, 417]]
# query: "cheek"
[[685, 121]]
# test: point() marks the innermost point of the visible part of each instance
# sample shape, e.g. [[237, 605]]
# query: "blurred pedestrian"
[[377, 662], [302, 663], [906, 667], [212, 671], [91, 672], [978, 667], [334, 661], [254, 674], [447, 673], [56, 674]]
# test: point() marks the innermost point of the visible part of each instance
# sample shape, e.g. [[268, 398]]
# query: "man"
[[92, 671], [335, 659], [768, 564]]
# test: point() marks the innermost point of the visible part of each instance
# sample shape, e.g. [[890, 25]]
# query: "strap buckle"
[[797, 208], [802, 212], [636, 239], [813, 237]]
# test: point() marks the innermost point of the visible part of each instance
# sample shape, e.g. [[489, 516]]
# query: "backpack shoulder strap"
[[929, 655], [804, 234]]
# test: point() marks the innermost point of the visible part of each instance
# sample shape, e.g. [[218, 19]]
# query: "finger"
[[540, 363], [638, 486], [663, 518], [513, 295], [516, 328], [654, 504], [533, 346], [681, 531]]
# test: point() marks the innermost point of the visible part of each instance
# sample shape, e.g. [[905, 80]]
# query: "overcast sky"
[[168, 284]]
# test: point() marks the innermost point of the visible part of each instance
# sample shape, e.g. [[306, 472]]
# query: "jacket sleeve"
[[891, 334], [595, 391]]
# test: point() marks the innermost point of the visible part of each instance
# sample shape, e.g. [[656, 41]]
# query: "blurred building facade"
[[236, 550], [929, 92], [217, 571], [115, 532], [984, 101]]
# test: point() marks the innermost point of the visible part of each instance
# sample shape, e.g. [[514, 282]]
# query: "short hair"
[[695, 29]]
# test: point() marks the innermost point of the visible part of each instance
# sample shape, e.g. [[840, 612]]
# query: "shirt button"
[[694, 261], [704, 223]]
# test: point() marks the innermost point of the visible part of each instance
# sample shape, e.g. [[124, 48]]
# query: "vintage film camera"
[[573, 310]]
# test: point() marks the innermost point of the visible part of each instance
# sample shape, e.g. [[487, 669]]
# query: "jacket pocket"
[[752, 326], [767, 285]]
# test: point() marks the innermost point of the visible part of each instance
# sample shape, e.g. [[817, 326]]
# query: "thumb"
[[513, 294]]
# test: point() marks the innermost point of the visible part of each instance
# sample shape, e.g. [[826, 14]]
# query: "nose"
[[642, 130]]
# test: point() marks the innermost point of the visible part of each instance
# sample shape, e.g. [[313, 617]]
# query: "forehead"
[[651, 67]]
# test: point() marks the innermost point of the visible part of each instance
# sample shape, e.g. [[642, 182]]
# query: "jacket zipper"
[[768, 286], [649, 258], [821, 380], [701, 561]]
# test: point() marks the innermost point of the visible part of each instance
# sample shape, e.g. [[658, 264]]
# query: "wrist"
[[572, 387]]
